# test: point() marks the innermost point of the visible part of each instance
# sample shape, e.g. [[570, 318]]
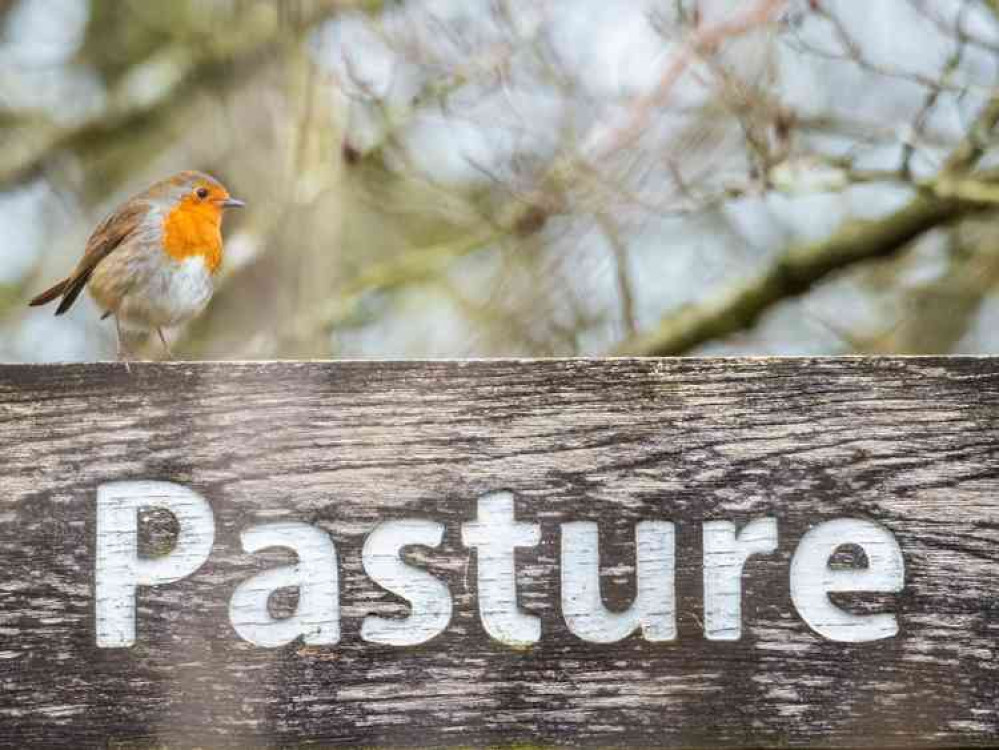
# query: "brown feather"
[[73, 288], [108, 235], [49, 294]]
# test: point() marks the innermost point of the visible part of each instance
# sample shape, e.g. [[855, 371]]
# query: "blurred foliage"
[[505, 177]]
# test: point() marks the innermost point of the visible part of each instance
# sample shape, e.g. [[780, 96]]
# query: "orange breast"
[[194, 230]]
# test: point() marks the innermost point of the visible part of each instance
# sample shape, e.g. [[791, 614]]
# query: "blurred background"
[[453, 178]]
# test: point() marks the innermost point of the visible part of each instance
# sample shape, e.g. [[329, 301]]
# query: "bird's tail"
[[69, 289], [53, 292]]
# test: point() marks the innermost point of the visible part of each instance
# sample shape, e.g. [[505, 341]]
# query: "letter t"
[[494, 535]]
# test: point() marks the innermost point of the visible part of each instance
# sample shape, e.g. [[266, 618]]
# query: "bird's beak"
[[232, 203]]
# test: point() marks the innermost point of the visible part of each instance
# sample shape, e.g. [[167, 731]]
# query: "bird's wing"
[[107, 237]]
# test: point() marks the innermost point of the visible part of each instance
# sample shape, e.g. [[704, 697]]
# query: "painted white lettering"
[[654, 606], [119, 569], [429, 598], [725, 555], [317, 616], [495, 535], [812, 579]]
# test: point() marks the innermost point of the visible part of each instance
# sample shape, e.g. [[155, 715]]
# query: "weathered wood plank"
[[911, 444]]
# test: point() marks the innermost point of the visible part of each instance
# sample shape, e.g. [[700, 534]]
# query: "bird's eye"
[[201, 192]]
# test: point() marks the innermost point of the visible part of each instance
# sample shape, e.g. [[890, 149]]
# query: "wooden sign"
[[724, 553]]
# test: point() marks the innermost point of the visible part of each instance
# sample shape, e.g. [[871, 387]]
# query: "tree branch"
[[794, 273], [942, 200], [233, 57]]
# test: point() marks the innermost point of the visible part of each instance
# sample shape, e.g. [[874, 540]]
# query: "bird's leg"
[[166, 346], [122, 349]]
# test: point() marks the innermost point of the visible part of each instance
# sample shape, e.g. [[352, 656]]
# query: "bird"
[[150, 263]]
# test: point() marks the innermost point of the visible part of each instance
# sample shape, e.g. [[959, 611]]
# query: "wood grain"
[[910, 443]]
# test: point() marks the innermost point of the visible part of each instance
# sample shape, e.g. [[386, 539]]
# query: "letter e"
[[812, 579]]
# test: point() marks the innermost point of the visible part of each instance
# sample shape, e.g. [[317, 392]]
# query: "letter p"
[[120, 570]]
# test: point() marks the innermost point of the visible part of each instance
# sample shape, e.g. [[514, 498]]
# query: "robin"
[[150, 263]]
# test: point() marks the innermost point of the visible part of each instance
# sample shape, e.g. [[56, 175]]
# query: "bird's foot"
[[123, 353], [123, 357], [166, 346]]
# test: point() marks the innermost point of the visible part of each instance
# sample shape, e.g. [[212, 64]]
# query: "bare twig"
[[622, 274], [602, 143]]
